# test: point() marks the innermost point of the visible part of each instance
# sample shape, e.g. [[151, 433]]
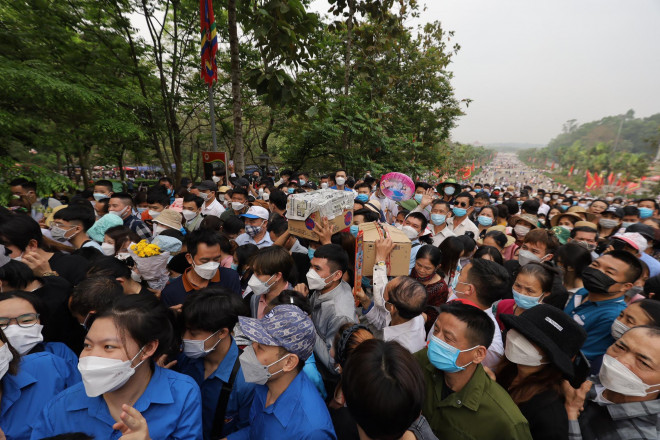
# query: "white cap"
[[257, 212]]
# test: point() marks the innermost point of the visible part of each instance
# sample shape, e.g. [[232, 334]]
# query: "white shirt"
[[244, 238], [215, 208], [496, 349], [388, 206], [465, 226], [298, 248], [441, 236], [410, 334]]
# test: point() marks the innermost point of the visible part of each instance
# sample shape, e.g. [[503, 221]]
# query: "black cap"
[[616, 211], [207, 185], [645, 231], [557, 334]]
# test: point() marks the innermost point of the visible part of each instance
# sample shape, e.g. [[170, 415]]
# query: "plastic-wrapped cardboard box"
[[304, 211], [399, 261]]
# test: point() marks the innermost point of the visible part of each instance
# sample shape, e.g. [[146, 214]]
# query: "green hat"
[[451, 182], [561, 233]]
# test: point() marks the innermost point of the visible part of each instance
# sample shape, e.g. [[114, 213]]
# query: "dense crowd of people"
[[192, 312]]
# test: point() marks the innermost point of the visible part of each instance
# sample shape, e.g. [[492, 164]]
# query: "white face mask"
[[158, 229], [136, 277], [237, 206], [525, 257], [340, 181], [410, 232], [618, 329], [521, 230], [207, 270], [153, 213], [194, 348], [23, 339], [618, 378], [520, 351], [188, 214], [259, 287], [108, 249], [122, 212], [324, 185], [103, 375], [266, 197], [216, 179], [315, 282], [5, 358], [253, 370]]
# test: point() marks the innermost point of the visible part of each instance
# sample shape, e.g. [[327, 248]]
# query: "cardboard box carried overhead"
[[398, 263], [304, 211]]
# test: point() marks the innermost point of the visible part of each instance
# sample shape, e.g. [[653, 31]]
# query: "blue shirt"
[[298, 414], [346, 188], [62, 351], [240, 398], [596, 317], [416, 245], [170, 404], [313, 374], [41, 376], [652, 263], [175, 292]]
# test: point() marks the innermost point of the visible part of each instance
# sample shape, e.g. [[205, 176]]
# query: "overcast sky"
[[530, 65]]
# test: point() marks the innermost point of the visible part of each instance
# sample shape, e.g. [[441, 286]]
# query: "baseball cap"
[[207, 185], [285, 326], [616, 211], [634, 239], [646, 231], [256, 212]]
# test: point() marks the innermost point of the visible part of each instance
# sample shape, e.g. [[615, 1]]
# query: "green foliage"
[[48, 182]]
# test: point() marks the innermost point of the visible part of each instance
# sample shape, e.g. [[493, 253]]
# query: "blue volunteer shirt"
[[40, 377], [240, 399], [596, 317], [299, 413], [62, 351], [170, 404]]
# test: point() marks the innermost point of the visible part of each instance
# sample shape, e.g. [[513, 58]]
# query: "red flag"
[[472, 169], [590, 183], [209, 71], [599, 180], [571, 170], [553, 166], [610, 178]]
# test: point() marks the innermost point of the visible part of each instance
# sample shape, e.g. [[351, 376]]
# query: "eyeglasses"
[[25, 321], [462, 204]]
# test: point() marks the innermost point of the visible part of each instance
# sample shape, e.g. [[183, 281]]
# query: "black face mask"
[[596, 281]]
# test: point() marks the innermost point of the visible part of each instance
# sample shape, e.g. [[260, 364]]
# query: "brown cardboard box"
[[399, 261], [304, 211]]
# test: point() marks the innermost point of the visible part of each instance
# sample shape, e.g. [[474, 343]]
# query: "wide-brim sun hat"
[[553, 331]]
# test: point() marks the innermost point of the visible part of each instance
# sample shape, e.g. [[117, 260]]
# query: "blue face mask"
[[290, 190], [524, 301], [302, 182], [363, 198], [477, 190], [459, 212], [443, 356], [645, 212], [563, 208], [438, 219], [418, 198], [627, 224], [366, 282], [310, 253], [484, 221], [449, 190], [140, 209], [477, 209], [234, 266], [354, 230], [100, 196]]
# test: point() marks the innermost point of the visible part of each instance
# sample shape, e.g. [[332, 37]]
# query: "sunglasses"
[[462, 204]]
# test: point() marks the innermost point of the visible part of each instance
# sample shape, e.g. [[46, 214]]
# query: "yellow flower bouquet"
[[151, 263]]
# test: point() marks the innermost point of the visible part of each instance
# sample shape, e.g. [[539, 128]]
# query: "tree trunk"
[[120, 162], [239, 157], [347, 63]]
